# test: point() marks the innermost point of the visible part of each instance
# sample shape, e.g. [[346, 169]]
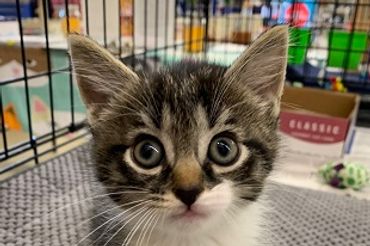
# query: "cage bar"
[[23, 54], [51, 96]]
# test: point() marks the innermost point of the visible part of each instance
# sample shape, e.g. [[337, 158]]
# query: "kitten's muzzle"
[[187, 180], [188, 196]]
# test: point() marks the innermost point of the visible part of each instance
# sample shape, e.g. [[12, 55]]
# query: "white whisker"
[[119, 206], [145, 228], [117, 216], [136, 227], [93, 198], [140, 211], [152, 229]]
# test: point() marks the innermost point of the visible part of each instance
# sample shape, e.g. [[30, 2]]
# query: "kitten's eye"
[[223, 151], [148, 153]]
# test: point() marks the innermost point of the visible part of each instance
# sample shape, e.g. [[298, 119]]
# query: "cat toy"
[[345, 175], [336, 84]]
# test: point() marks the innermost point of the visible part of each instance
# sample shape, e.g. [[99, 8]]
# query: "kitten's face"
[[190, 145]]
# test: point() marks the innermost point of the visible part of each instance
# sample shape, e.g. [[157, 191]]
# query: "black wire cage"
[[41, 110]]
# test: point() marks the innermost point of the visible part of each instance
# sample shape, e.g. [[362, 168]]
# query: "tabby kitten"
[[183, 152]]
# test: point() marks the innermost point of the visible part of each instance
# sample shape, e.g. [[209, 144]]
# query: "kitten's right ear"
[[99, 74]]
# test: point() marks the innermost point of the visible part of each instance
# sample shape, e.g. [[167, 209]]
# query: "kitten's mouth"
[[190, 215]]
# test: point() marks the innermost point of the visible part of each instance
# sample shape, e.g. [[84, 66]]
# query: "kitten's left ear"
[[261, 68]]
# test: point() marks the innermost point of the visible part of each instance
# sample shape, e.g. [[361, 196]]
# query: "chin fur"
[[243, 231], [241, 228]]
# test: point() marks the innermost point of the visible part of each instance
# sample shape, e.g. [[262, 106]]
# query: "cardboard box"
[[317, 122], [36, 59]]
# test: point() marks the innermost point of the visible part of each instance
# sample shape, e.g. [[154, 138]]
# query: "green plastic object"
[[340, 41], [300, 39], [345, 175]]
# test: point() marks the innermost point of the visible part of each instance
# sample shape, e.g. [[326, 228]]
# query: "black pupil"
[[147, 151], [223, 148]]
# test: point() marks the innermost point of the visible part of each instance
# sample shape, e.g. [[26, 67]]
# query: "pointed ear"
[[261, 68], [98, 73]]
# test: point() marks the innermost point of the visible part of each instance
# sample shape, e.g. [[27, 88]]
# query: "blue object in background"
[[8, 9], [300, 14]]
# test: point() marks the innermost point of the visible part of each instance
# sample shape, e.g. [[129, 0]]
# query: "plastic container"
[[194, 34], [9, 9], [300, 38], [346, 54], [74, 18]]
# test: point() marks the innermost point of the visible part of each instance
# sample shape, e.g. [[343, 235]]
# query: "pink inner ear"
[[261, 68], [91, 95]]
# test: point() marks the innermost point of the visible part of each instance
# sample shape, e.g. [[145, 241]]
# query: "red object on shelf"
[[298, 13]]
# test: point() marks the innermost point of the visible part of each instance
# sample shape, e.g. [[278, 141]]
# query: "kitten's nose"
[[188, 196]]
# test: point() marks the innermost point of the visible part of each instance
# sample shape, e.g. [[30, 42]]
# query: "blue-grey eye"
[[148, 153], [223, 151]]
